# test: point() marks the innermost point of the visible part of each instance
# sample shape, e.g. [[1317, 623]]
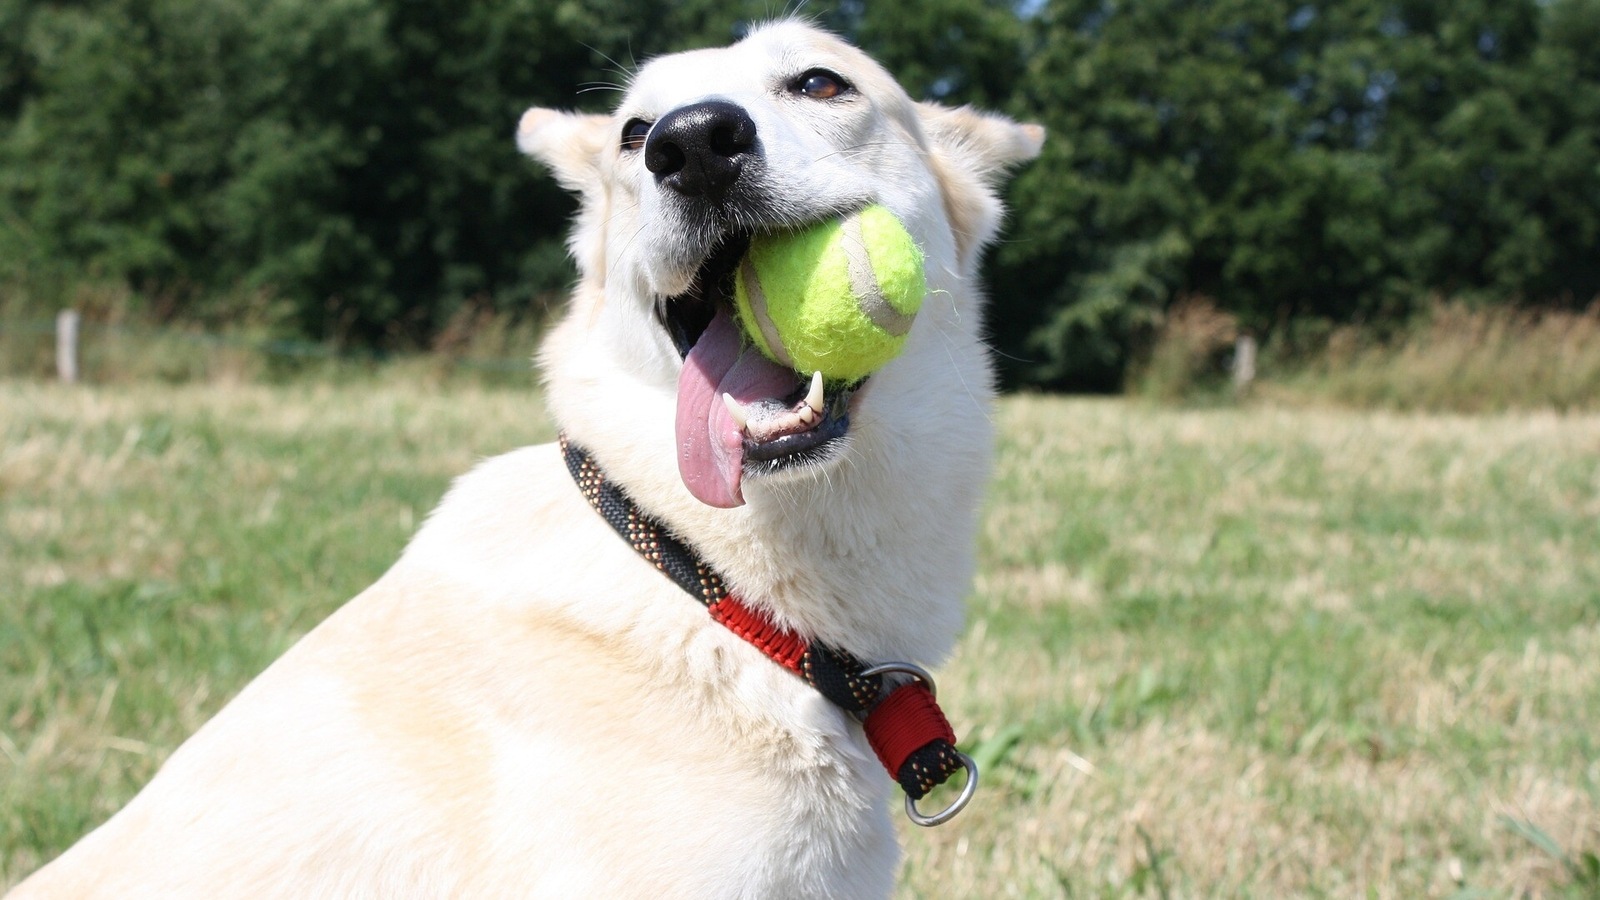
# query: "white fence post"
[[1244, 362], [67, 345]]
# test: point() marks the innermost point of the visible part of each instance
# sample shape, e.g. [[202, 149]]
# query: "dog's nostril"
[[664, 158], [732, 140]]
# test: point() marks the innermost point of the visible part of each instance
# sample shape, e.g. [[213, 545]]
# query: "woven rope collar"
[[906, 728]]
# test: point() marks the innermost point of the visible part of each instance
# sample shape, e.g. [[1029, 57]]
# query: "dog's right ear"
[[570, 144]]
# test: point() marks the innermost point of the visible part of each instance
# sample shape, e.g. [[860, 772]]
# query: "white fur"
[[521, 706]]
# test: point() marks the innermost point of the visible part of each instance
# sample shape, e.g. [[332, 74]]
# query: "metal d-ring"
[[905, 668], [949, 812], [970, 788]]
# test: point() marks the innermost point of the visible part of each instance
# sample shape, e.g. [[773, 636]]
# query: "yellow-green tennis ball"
[[837, 297]]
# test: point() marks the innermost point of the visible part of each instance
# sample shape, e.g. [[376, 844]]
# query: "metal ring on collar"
[[905, 668], [949, 812]]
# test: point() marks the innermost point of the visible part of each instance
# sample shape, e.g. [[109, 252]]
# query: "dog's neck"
[[903, 723], [873, 555], [879, 585]]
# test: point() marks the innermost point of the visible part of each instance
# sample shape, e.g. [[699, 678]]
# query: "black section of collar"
[[833, 673], [644, 534]]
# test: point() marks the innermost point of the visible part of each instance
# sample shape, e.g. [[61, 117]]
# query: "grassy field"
[[1237, 652]]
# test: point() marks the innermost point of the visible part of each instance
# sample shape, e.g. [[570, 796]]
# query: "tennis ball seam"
[[864, 281], [839, 296], [766, 332]]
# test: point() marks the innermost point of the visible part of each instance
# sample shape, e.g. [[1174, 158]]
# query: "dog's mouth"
[[740, 413]]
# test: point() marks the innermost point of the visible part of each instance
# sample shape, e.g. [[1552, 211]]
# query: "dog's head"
[[788, 127]]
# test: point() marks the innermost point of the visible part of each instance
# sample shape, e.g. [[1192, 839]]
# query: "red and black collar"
[[903, 722]]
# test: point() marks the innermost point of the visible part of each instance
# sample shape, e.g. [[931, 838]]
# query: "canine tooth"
[[736, 409], [806, 415], [814, 396]]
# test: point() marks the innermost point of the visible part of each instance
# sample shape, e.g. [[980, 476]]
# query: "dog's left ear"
[[984, 144], [570, 144], [971, 153]]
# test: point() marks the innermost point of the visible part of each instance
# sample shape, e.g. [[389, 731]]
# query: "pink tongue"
[[710, 443]]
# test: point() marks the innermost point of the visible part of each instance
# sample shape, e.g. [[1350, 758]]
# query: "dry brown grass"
[[1187, 358], [1461, 359]]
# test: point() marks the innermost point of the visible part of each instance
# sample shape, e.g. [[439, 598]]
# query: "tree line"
[[350, 162]]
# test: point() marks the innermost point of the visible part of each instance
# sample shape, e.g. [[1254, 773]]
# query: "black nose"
[[699, 150]]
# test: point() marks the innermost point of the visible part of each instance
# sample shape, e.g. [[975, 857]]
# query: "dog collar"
[[903, 722]]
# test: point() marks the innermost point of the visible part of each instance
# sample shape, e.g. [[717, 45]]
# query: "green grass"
[[1233, 652]]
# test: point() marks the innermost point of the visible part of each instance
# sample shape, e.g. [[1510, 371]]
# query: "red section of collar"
[[902, 723], [905, 722], [780, 645]]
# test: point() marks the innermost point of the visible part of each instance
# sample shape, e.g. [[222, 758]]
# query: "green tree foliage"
[[1334, 160], [952, 51], [353, 158]]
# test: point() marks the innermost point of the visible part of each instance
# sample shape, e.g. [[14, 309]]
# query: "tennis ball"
[[836, 297]]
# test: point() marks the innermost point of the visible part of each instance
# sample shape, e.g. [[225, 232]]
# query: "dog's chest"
[[645, 785]]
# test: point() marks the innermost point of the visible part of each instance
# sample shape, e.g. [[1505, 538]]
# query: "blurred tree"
[[1336, 160], [353, 158], [15, 67], [950, 51], [1493, 148]]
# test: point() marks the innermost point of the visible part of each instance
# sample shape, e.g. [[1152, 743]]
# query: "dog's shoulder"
[[510, 497], [513, 525]]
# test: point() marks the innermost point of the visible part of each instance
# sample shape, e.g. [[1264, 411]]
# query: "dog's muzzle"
[[737, 411]]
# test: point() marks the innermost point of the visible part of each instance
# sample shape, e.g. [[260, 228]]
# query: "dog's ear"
[[984, 144], [971, 153], [568, 143], [571, 145]]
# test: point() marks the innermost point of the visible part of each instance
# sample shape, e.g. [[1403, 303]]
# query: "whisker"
[[949, 350], [626, 209], [622, 254], [620, 69], [863, 147]]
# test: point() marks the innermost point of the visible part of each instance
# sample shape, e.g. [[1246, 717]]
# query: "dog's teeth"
[[814, 396], [806, 415], [736, 409]]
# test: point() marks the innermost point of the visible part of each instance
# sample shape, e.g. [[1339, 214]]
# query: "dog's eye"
[[820, 84], [634, 133]]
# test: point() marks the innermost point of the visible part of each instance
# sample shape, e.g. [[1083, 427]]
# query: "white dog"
[[524, 706]]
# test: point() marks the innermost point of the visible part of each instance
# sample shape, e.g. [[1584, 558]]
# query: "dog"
[[523, 706]]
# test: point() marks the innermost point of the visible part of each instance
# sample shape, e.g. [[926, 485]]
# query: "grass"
[[1248, 651], [1453, 357], [244, 337], [1465, 359]]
